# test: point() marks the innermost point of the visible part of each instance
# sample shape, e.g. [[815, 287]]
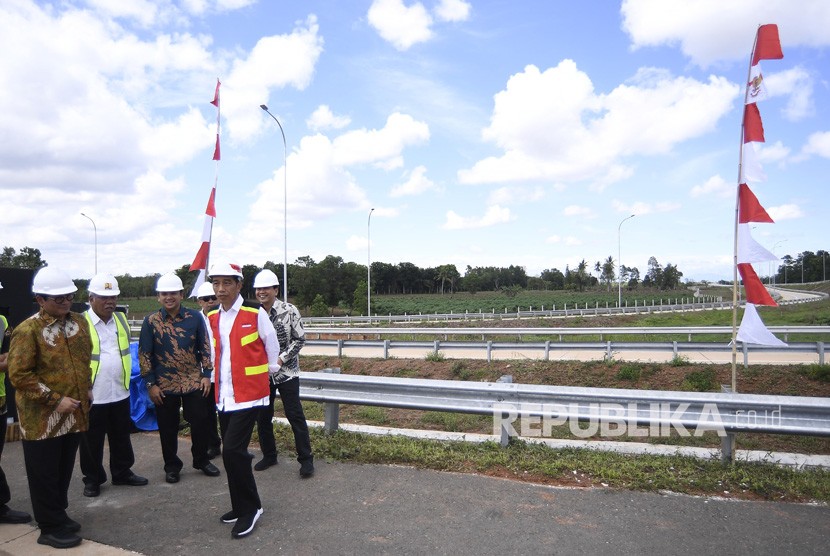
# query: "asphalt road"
[[385, 509]]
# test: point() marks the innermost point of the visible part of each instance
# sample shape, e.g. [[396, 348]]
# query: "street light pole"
[[774, 247], [95, 229], [619, 259], [369, 266], [284, 207]]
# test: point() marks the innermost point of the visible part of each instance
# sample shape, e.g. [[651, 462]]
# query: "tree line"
[[334, 282]]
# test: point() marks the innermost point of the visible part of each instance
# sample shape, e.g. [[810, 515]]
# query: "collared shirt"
[[174, 351], [267, 335], [109, 381], [288, 316], [49, 359]]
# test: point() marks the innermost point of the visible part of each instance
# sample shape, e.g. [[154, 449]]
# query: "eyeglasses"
[[59, 298], [208, 298]]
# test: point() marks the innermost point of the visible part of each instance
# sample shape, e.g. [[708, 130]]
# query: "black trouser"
[[5, 494], [290, 395], [213, 431], [195, 413], [237, 427], [113, 421], [49, 465]]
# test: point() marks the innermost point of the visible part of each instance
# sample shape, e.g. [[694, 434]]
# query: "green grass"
[[435, 356], [538, 463]]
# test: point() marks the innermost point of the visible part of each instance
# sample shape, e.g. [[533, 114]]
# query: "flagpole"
[[737, 216]]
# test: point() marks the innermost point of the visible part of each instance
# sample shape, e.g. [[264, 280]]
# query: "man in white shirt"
[[111, 368], [246, 353]]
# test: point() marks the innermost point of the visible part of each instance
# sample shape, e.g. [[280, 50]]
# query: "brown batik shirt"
[[48, 360]]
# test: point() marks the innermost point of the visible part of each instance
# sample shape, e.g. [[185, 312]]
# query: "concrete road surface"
[[390, 509]]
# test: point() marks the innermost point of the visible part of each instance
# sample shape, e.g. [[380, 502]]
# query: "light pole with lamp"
[[369, 266], [95, 229], [284, 206], [619, 260], [774, 247]]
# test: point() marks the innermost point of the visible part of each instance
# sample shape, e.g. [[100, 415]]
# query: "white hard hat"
[[1, 285], [266, 278], [169, 283], [104, 284], [225, 268], [51, 281], [205, 290]]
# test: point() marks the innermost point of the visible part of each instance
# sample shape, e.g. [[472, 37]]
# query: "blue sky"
[[481, 132]]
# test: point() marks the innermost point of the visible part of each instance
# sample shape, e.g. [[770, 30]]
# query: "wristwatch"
[[150, 384]]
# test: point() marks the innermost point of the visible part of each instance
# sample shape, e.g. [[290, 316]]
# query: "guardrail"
[[617, 411], [607, 348]]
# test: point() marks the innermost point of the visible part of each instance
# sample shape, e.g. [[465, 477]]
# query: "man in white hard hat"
[[174, 354], [49, 367], [111, 369], [207, 301], [284, 317], [247, 351], [7, 515]]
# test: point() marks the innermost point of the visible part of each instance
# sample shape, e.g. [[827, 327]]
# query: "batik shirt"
[[49, 359], [288, 316], [174, 351]]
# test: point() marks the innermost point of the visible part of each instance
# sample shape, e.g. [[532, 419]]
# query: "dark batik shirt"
[[174, 351]]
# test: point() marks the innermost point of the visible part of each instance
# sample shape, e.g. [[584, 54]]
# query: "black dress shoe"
[[306, 469], [213, 452], [264, 464], [172, 477], [210, 470], [91, 490], [9, 515], [131, 480], [59, 539]]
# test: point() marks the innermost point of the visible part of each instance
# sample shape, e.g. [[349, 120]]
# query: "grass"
[[573, 467]]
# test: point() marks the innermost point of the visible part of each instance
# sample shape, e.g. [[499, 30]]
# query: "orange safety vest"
[[249, 361]]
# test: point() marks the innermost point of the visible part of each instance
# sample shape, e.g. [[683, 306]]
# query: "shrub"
[[699, 381], [629, 372], [816, 372], [435, 356]]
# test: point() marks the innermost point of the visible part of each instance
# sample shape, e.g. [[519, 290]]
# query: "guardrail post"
[[745, 349], [820, 347], [435, 345], [727, 443], [339, 348], [331, 411], [504, 439], [608, 351], [547, 350], [386, 349], [489, 349], [674, 347]]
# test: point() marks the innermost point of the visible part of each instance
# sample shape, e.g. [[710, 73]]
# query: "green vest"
[[123, 328], [4, 325]]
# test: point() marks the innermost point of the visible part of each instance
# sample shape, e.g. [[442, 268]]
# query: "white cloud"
[[572, 241], [452, 10], [772, 152], [797, 84], [323, 118], [552, 125], [640, 208], [416, 184], [515, 195], [274, 62], [708, 31], [553, 239], [357, 243], [818, 144], [785, 212], [376, 146], [715, 186], [399, 24], [576, 210], [494, 215]]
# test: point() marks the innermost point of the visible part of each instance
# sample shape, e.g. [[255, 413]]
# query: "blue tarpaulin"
[[142, 409]]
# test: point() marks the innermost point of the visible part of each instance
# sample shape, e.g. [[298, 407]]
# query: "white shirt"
[[109, 382], [272, 348]]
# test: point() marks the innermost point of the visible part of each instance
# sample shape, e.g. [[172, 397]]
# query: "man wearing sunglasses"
[[111, 370], [207, 301], [49, 361]]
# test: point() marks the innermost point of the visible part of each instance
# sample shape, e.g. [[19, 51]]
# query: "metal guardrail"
[[613, 409], [608, 348]]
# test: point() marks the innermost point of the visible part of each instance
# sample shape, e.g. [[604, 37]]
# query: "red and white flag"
[[202, 258], [751, 169], [753, 330]]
